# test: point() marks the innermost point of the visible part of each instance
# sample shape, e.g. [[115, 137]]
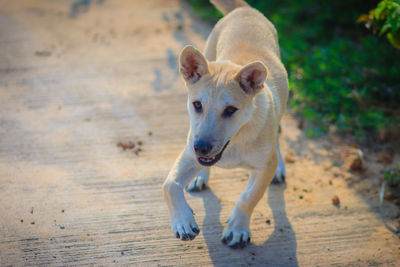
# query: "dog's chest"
[[230, 159], [241, 157]]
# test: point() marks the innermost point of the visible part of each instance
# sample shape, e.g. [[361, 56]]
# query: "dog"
[[237, 94]]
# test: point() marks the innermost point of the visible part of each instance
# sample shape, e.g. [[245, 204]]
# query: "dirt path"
[[77, 78]]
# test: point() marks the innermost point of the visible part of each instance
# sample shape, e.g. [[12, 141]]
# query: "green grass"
[[338, 72], [393, 177]]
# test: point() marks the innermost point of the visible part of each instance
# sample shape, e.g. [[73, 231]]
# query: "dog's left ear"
[[193, 65], [251, 77]]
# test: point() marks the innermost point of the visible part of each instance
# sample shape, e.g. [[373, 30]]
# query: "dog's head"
[[220, 101]]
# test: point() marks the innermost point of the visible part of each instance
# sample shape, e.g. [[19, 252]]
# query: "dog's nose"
[[202, 147]]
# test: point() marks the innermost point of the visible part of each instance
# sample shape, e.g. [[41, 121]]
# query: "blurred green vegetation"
[[385, 20], [338, 72], [393, 177]]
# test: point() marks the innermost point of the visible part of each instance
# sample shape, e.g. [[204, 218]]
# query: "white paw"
[[199, 182], [183, 224], [237, 233]]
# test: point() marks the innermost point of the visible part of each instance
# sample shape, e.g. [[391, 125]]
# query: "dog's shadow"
[[278, 250]]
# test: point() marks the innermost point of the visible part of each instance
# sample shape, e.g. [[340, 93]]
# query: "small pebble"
[[290, 157], [335, 200]]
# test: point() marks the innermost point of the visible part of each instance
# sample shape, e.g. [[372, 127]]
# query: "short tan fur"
[[237, 94]]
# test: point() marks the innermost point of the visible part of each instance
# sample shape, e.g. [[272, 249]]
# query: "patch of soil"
[[335, 200], [126, 145], [364, 167], [290, 157], [136, 147], [42, 53]]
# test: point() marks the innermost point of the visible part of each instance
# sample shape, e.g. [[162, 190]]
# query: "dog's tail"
[[226, 6]]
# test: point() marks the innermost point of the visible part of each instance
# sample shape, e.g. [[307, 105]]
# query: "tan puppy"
[[237, 95]]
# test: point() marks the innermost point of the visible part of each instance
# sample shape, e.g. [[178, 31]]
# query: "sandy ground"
[[77, 78]]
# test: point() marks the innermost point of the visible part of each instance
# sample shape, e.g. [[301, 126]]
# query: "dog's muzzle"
[[209, 161]]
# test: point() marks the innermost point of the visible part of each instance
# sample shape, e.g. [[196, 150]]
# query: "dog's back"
[[226, 6], [245, 35]]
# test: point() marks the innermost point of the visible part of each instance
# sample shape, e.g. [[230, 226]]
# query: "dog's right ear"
[[193, 65]]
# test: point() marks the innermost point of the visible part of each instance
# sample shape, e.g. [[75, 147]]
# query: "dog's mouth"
[[209, 161]]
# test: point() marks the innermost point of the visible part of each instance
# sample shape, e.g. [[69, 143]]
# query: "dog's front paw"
[[236, 239], [237, 233], [199, 182], [184, 226]]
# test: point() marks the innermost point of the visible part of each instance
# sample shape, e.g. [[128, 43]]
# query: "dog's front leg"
[[237, 233], [182, 221]]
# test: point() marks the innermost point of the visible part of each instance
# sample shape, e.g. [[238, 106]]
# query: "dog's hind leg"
[[280, 173], [200, 181]]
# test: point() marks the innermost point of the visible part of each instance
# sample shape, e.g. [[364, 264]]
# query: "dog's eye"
[[229, 111], [197, 106]]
